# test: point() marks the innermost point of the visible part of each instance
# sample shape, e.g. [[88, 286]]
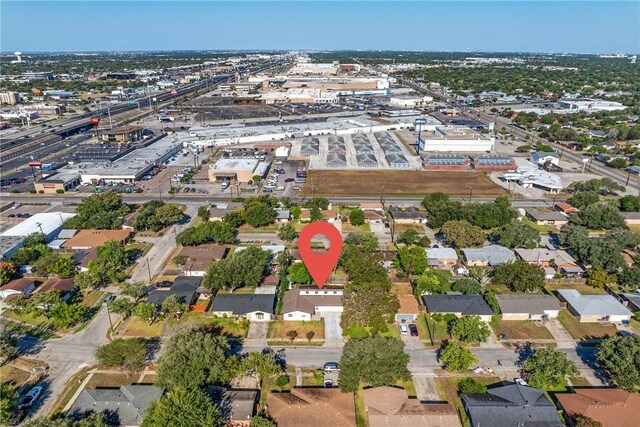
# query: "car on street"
[[413, 329], [108, 299], [331, 367], [31, 397], [404, 330]]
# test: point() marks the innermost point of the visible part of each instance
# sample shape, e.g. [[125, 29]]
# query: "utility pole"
[[109, 316], [149, 270]]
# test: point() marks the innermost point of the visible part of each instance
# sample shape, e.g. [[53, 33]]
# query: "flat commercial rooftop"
[[235, 165], [39, 223]]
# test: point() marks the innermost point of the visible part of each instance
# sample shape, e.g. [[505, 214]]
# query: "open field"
[[398, 183], [585, 330]]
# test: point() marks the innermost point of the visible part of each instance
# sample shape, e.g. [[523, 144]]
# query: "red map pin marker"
[[320, 266]]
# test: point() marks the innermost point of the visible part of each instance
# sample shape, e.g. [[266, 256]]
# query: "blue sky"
[[538, 26]]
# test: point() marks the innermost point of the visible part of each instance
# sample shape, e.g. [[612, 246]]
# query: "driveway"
[[332, 329], [426, 387], [560, 334]]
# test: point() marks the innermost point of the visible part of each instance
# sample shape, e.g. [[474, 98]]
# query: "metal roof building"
[[397, 161], [336, 160], [366, 160], [310, 146], [47, 223]]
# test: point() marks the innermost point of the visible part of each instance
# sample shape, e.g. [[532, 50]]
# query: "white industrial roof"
[[593, 305], [46, 223]]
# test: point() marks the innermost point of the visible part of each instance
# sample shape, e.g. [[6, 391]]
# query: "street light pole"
[[109, 316], [148, 270]]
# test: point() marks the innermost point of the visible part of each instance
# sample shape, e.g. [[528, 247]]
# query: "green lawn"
[[21, 329], [584, 289], [434, 332], [542, 229], [520, 329], [91, 298], [579, 382], [135, 327], [278, 329], [585, 330], [408, 386], [393, 331], [226, 326]]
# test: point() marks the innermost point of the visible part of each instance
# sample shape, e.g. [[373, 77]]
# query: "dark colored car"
[[289, 180], [413, 330]]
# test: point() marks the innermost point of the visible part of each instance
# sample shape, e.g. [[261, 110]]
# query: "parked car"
[[331, 367], [30, 398], [289, 180], [404, 330], [328, 383], [108, 299], [520, 381], [413, 329]]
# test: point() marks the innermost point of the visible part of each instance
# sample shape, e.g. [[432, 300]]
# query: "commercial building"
[[542, 157], [446, 161], [38, 75], [530, 176], [409, 101], [58, 182], [121, 134], [590, 105], [47, 223], [241, 170], [9, 98], [456, 138]]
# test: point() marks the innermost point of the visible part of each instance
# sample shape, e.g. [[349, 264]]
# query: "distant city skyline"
[[538, 26]]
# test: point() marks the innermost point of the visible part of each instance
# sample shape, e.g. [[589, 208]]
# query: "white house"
[[311, 304], [543, 157]]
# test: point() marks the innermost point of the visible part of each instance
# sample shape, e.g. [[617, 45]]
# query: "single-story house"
[[528, 307], [541, 217], [409, 310], [238, 406], [611, 407], [391, 407], [313, 303], [543, 157], [327, 214], [409, 215], [255, 307], [372, 206], [631, 301], [312, 407], [511, 406], [23, 287], [283, 216], [65, 287], [199, 258], [82, 258], [558, 259], [439, 257], [594, 308], [459, 305], [566, 208], [88, 239], [184, 287], [127, 403], [492, 255], [631, 218], [375, 217]]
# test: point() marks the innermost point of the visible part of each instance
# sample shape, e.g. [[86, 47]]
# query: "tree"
[[61, 420], [173, 305], [67, 315], [630, 276], [8, 402], [462, 234], [259, 214], [46, 262], [582, 421], [8, 345], [469, 329], [315, 214], [7, 270], [630, 203], [583, 199], [599, 216], [244, 268], [122, 306], [168, 214], [111, 261], [295, 212], [366, 241], [375, 360], [102, 211], [619, 357], [261, 364], [599, 278], [409, 236], [298, 273], [179, 260], [516, 234], [193, 357], [471, 386], [356, 217], [203, 212], [63, 267], [183, 408], [87, 280], [129, 354], [467, 286], [428, 282], [287, 232], [456, 357], [292, 334], [411, 260], [135, 290], [547, 367], [310, 335], [145, 311], [235, 219], [261, 421], [519, 276], [318, 202]]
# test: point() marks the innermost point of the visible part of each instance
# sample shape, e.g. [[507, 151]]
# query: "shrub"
[[470, 386], [60, 191], [282, 381], [356, 332]]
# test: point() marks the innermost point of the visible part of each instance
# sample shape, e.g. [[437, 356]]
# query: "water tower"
[[18, 57]]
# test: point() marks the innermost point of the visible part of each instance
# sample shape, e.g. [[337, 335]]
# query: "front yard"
[[520, 329], [135, 327], [581, 331], [279, 329], [431, 331]]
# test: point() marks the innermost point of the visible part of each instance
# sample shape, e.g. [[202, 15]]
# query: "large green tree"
[[67, 315], [298, 273], [619, 357], [411, 260], [8, 402], [8, 345], [102, 211], [516, 234], [429, 281], [462, 234], [287, 232], [599, 216], [193, 357], [469, 329], [121, 353], [259, 214], [245, 268], [519, 276], [373, 361], [189, 407], [548, 367], [356, 217], [456, 357]]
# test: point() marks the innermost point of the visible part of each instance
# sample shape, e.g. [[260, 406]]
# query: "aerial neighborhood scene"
[[319, 214]]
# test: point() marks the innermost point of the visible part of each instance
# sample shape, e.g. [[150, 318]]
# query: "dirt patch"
[[399, 183]]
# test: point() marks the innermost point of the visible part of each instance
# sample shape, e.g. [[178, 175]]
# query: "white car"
[[31, 397], [404, 330], [520, 381]]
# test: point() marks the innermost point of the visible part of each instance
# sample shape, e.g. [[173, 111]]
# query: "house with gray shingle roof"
[[458, 305], [492, 255], [528, 307], [594, 308], [255, 307], [511, 406]]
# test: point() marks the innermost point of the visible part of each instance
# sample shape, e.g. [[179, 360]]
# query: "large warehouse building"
[[456, 138], [241, 170]]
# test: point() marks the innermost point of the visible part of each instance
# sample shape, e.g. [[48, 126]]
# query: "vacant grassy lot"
[[585, 330], [278, 329], [521, 329], [431, 331], [134, 327], [584, 289], [398, 183]]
